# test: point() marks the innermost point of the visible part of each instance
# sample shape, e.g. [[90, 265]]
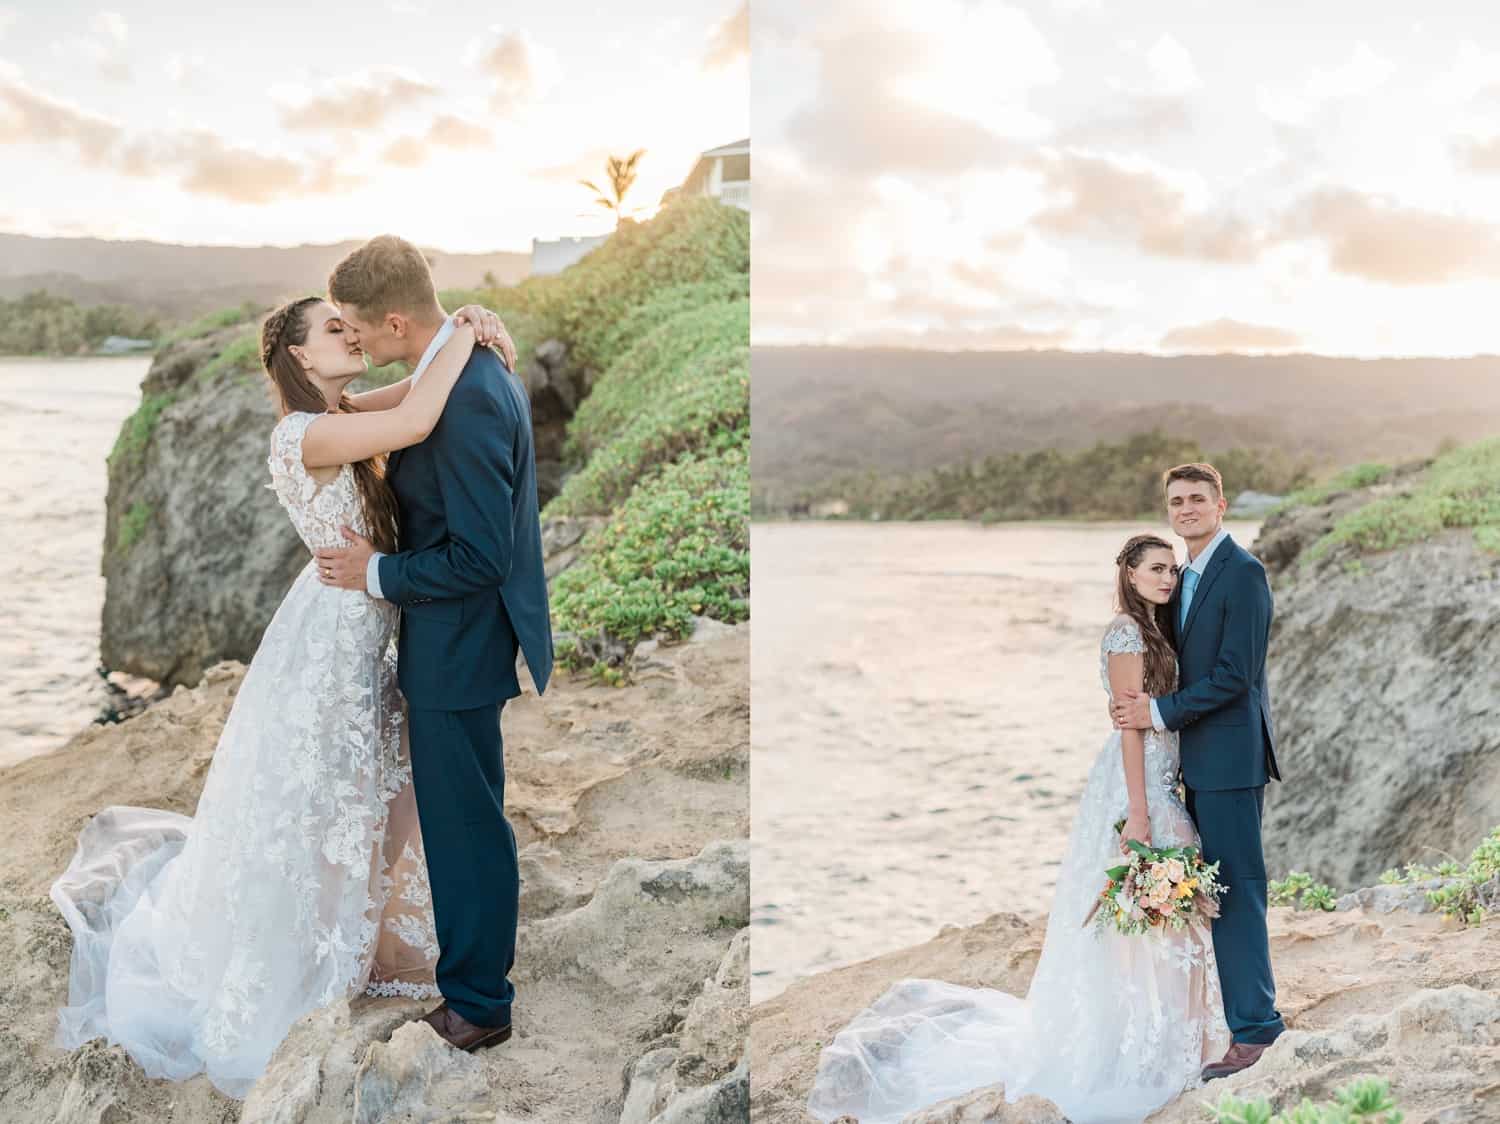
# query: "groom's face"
[[1195, 508], [381, 338]]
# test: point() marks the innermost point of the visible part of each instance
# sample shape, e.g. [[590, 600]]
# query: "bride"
[[197, 942], [1113, 1026]]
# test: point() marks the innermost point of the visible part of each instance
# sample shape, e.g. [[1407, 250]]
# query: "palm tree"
[[621, 173]]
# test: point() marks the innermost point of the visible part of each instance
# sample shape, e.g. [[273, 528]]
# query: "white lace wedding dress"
[[1112, 1027], [300, 879]]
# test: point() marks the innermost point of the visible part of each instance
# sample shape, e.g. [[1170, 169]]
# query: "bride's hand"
[[488, 330], [1137, 827]]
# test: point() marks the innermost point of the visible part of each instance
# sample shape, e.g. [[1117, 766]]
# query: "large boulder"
[[197, 551], [1384, 700]]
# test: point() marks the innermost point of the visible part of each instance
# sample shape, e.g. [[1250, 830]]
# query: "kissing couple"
[[1115, 1026], [351, 835]]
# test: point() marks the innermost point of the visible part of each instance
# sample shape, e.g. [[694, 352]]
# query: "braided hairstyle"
[[1160, 659], [295, 392]]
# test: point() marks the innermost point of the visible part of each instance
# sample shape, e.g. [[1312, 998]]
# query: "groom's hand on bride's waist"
[[345, 568], [1132, 711]]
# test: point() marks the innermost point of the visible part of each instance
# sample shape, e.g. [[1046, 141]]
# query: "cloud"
[[356, 101], [730, 41], [1135, 119], [858, 124], [521, 71], [8, 18], [184, 70], [201, 162], [105, 46], [1172, 67], [588, 165], [1229, 335], [1359, 76], [1106, 200], [1379, 239], [446, 131], [1480, 155]]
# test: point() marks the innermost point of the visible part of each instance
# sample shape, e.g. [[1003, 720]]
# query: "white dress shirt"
[[372, 568], [1199, 564]]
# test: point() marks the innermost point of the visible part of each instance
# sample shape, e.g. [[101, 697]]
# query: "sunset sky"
[[281, 123], [1146, 177]]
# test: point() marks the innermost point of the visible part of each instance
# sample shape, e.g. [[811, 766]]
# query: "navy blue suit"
[[1222, 713], [472, 591]]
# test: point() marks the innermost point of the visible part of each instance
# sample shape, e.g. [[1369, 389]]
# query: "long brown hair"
[[286, 328], [1160, 660]]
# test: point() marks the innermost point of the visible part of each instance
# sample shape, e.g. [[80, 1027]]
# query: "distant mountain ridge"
[[177, 281], [819, 412]]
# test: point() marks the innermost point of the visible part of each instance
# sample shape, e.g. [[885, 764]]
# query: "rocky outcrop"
[[197, 552], [1409, 997], [1385, 700], [631, 807]]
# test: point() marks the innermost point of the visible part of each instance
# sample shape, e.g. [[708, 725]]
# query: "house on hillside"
[[123, 345], [722, 172], [553, 255]]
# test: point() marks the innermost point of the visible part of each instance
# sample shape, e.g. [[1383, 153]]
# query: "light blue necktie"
[[1189, 584]]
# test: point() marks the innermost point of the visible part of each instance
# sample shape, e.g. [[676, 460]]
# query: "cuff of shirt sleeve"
[[372, 577], [1156, 723]]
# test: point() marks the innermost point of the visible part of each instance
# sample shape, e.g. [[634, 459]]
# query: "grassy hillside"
[[657, 324], [826, 412], [1110, 480], [1460, 488]]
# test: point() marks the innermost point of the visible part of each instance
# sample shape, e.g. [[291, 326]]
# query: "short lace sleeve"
[[289, 476], [1123, 637]]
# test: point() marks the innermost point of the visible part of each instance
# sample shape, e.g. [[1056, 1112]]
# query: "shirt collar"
[[444, 331], [1200, 564]]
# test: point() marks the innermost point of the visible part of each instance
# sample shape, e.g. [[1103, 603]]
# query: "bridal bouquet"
[[1156, 888]]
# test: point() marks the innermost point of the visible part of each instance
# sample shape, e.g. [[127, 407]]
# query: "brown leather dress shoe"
[[458, 1031], [1241, 1055]]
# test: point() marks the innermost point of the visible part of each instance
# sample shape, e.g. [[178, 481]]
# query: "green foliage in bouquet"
[[1461, 488], [1366, 1101], [1299, 891], [1192, 889]]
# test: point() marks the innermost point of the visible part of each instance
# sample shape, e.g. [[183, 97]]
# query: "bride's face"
[[1155, 576], [331, 352]]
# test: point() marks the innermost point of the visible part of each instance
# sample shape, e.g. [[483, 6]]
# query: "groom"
[[471, 587], [1220, 616]]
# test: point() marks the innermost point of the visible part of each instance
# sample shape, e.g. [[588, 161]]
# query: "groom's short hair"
[[1199, 471], [386, 274]]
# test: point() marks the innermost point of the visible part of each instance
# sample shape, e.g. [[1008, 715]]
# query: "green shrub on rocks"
[[683, 387], [676, 549], [1299, 891], [1468, 889], [240, 356], [1461, 488], [206, 325], [656, 322], [693, 241], [135, 433], [133, 525], [1350, 479], [1366, 1101]]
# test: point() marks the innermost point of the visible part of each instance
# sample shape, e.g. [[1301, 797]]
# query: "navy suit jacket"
[[469, 576], [1223, 708]]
